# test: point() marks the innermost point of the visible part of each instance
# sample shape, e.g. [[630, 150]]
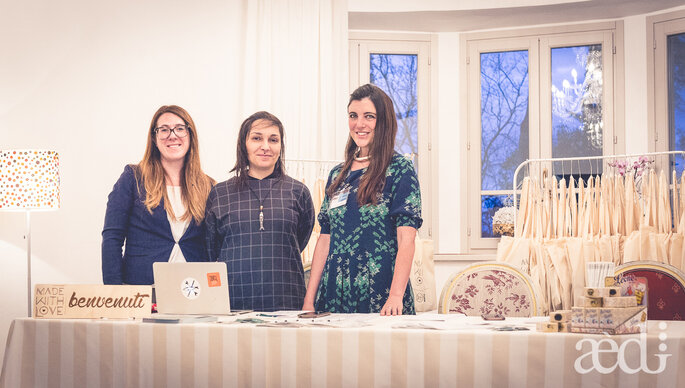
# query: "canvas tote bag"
[[423, 276]]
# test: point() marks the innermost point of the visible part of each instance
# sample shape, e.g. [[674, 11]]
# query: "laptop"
[[191, 288]]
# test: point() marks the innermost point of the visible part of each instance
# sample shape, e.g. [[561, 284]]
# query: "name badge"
[[339, 199]]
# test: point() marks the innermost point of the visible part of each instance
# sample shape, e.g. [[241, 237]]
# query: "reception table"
[[384, 352]]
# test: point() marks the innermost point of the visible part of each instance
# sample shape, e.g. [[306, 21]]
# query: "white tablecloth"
[[107, 353]]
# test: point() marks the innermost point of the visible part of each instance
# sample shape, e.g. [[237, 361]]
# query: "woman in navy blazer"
[[156, 209]]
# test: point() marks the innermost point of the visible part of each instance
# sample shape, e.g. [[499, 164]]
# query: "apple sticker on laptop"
[[190, 288]]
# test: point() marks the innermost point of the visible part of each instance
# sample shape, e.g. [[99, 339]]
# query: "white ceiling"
[[470, 15]]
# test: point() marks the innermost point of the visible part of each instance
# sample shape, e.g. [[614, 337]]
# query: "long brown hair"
[[380, 151], [195, 184], [242, 163]]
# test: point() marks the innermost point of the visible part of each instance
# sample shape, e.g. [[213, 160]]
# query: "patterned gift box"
[[578, 317], [592, 317], [606, 318], [628, 320]]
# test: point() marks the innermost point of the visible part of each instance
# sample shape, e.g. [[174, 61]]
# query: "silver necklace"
[[360, 158]]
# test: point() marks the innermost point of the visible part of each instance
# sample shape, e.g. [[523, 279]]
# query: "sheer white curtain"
[[294, 64]]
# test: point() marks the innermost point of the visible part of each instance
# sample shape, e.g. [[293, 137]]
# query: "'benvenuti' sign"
[[91, 301]]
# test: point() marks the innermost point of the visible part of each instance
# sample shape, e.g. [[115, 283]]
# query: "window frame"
[[540, 41], [474, 119], [361, 45], [659, 27]]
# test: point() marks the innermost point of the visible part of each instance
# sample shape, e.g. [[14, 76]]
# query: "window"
[[397, 75], [541, 94], [675, 64], [666, 57], [399, 64], [504, 131]]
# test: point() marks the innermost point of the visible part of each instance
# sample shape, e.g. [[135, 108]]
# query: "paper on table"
[[174, 318], [434, 317], [287, 313]]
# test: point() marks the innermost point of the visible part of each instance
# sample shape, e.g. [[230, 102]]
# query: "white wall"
[[84, 78], [636, 86], [450, 143]]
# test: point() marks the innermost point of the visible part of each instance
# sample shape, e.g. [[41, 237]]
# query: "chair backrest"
[[665, 288], [491, 288]]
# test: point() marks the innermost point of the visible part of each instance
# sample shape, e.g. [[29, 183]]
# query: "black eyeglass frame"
[[186, 128]]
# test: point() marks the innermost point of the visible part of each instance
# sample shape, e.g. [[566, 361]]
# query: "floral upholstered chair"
[[491, 288], [665, 288]]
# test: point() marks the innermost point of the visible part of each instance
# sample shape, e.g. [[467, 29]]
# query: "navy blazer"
[[148, 236]]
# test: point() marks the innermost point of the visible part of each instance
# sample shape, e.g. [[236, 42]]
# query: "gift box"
[[620, 301], [560, 316], [591, 301], [626, 320], [578, 316], [591, 317], [603, 292], [548, 327]]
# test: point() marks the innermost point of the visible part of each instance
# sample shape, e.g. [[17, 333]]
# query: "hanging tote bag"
[[423, 276]]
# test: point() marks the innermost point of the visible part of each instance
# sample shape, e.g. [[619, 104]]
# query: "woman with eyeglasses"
[[259, 222], [156, 209]]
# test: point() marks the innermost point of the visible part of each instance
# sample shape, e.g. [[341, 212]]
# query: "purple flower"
[[636, 167]]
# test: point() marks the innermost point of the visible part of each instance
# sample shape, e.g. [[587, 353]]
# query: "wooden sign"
[[91, 301]]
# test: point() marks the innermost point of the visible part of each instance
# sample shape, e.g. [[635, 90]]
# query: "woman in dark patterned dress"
[[368, 218], [259, 222]]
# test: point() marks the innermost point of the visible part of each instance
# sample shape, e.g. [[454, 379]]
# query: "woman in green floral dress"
[[368, 218]]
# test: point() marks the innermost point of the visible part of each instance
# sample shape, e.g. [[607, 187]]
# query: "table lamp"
[[29, 181]]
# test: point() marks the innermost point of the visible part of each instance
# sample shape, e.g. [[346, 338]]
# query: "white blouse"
[[178, 227]]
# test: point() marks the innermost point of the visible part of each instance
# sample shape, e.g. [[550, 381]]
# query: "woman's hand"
[[400, 278], [318, 261], [393, 306]]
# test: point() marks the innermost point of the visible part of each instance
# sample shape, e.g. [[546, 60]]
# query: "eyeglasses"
[[164, 132]]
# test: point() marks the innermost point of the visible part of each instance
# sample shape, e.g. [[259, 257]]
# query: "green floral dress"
[[361, 259]]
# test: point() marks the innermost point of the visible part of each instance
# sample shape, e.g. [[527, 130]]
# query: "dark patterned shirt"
[[264, 266], [361, 258]]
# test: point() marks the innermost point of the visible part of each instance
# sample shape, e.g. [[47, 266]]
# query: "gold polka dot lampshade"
[[29, 180]]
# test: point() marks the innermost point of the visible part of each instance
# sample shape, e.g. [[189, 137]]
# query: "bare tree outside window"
[[676, 97], [504, 127], [577, 124], [396, 74]]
